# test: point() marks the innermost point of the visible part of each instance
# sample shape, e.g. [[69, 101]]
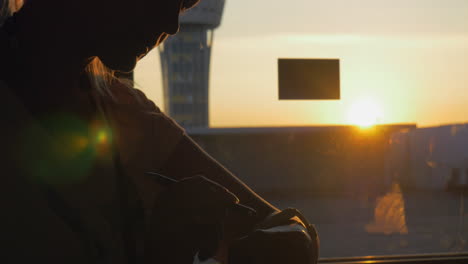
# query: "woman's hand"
[[282, 238], [187, 219]]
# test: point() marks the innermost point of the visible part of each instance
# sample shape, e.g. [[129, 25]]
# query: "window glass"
[[383, 170]]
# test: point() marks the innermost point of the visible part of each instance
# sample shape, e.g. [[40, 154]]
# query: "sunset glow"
[[400, 53], [365, 113]]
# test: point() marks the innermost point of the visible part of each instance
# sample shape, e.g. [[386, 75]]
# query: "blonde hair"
[[101, 77]]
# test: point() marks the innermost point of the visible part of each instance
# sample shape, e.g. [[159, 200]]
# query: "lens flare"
[[102, 137]]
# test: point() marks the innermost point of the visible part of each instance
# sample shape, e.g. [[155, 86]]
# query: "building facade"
[[287, 161], [430, 158], [185, 61]]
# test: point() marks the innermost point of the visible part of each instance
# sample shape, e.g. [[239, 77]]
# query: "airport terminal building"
[[284, 161]]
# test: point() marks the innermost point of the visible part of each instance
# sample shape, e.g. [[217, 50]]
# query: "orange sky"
[[409, 57]]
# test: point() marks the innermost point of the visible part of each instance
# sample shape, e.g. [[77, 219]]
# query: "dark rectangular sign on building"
[[309, 79]]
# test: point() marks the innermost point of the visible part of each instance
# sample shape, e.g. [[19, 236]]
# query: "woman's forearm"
[[189, 159]]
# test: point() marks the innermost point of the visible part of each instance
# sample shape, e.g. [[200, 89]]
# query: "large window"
[[382, 171]]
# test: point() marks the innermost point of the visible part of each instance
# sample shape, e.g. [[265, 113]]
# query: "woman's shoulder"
[[124, 95], [144, 134], [131, 105]]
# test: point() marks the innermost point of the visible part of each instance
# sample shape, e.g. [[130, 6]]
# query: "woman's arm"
[[148, 136], [188, 159], [151, 141]]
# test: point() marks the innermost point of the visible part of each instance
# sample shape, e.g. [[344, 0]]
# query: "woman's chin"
[[123, 64]]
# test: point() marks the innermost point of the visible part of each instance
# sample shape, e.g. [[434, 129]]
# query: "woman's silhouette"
[[78, 141]]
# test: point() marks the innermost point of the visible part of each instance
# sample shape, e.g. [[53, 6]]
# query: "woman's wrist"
[[279, 218]]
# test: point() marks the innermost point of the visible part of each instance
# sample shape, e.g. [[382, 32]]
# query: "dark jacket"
[[98, 217]]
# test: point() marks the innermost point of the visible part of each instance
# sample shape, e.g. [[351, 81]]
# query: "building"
[[285, 161], [432, 158], [185, 60]]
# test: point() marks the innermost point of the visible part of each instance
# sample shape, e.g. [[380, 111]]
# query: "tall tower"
[[185, 61]]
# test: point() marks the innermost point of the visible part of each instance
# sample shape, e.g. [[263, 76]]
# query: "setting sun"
[[365, 113]]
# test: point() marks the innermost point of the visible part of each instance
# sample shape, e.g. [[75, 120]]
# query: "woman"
[[80, 142]]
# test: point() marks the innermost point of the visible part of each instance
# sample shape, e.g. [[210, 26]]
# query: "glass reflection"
[[389, 214]]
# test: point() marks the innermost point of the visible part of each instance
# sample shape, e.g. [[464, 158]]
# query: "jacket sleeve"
[[151, 141], [189, 159], [144, 135]]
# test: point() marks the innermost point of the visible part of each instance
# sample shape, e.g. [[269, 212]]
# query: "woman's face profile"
[[129, 29]]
